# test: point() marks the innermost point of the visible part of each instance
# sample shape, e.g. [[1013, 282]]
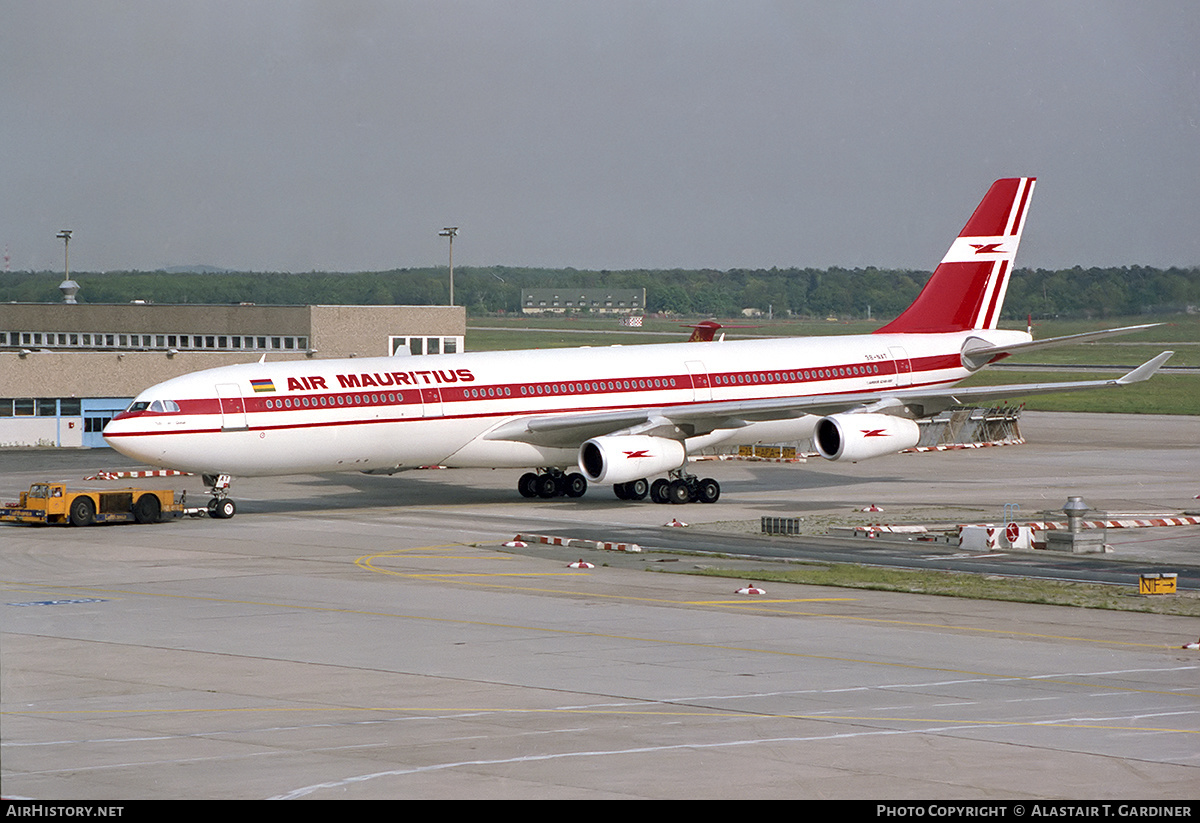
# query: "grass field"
[[1162, 394]]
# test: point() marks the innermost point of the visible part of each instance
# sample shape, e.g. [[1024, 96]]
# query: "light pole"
[[68, 287], [65, 236], [449, 232]]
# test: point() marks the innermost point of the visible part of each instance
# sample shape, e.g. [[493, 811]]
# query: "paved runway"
[[367, 637]]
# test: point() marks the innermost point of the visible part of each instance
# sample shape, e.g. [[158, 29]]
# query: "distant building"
[[600, 301], [65, 370]]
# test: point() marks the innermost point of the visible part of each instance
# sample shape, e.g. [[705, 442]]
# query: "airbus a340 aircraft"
[[621, 415]]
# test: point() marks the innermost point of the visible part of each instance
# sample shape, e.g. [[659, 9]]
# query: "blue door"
[[96, 414]]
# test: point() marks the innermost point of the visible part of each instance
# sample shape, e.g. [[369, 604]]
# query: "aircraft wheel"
[[620, 490], [147, 509], [708, 491], [223, 510], [527, 485], [576, 485], [547, 486], [658, 490], [83, 511], [678, 492], [637, 489]]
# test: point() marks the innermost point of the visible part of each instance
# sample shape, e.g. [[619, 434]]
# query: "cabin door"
[[233, 409], [903, 366], [701, 386]]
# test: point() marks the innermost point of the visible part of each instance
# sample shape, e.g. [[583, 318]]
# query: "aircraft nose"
[[117, 435]]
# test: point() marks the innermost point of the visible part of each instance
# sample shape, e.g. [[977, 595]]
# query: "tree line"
[[845, 293]]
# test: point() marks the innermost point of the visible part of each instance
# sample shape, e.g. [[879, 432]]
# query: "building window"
[[425, 345]]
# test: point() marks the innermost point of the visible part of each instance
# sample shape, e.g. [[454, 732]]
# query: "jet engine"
[[623, 458], [859, 436]]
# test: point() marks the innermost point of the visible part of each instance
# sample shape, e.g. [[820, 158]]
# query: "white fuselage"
[[386, 413]]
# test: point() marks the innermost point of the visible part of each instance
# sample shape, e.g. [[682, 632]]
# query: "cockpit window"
[[153, 406]]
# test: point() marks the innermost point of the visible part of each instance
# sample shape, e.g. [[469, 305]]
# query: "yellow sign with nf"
[[1157, 583]]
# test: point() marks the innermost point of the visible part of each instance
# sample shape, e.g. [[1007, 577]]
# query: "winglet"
[[1146, 370]]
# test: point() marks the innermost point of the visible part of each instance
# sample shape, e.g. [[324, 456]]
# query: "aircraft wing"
[[678, 422]]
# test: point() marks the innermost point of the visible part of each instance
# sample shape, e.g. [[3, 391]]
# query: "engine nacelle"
[[859, 436], [622, 458]]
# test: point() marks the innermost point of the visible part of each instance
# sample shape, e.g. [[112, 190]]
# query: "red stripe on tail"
[[967, 288]]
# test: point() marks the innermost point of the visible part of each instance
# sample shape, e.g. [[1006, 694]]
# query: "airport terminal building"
[[66, 369]]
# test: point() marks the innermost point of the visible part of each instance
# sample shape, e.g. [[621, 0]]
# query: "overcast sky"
[[293, 136]]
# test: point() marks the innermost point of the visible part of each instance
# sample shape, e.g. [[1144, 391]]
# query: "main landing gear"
[[677, 487], [220, 507], [552, 483]]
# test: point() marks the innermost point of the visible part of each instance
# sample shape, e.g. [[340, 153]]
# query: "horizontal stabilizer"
[[976, 353]]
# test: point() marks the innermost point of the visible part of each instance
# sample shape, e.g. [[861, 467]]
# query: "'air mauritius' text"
[[366, 380]]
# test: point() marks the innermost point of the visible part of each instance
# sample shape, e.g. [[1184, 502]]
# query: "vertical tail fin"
[[967, 288]]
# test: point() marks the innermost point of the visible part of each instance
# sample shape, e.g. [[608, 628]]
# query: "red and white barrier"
[[956, 446], [577, 543], [1119, 523], [105, 475]]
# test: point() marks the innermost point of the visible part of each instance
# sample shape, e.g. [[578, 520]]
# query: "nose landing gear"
[[220, 507]]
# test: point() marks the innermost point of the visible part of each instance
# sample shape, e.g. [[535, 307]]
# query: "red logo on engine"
[[638, 453], [874, 432]]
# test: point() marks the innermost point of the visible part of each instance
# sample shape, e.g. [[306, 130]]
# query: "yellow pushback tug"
[[55, 503]]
